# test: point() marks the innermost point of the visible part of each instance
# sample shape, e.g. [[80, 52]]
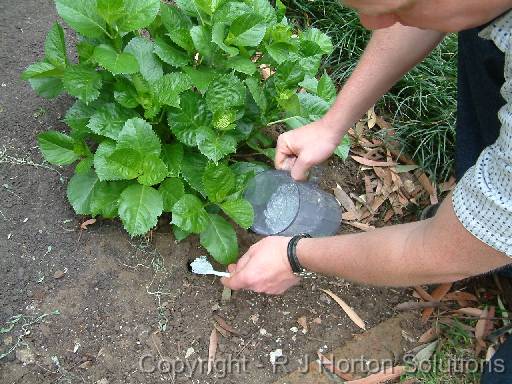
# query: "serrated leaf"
[[174, 18], [247, 31], [218, 36], [312, 106], [240, 211], [138, 14], [55, 46], [179, 234], [189, 214], [192, 170], [149, 66], [41, 69], [201, 77], [172, 156], [85, 50], [125, 94], [109, 120], [139, 208], [172, 190], [83, 166], [323, 41], [185, 121], [230, 11], [81, 190], [223, 120], [218, 181], [104, 150], [182, 38], [202, 38], [188, 7], [225, 92], [326, 89], [289, 74], [77, 117], [168, 88], [343, 150], [57, 148], [137, 134], [213, 145], [219, 238], [242, 65], [48, 88], [209, 6], [310, 84], [105, 201], [111, 10], [264, 9], [280, 51], [170, 54], [123, 164], [82, 82], [256, 91], [82, 16], [116, 63], [154, 171]]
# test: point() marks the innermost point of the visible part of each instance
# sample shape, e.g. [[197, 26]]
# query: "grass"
[[421, 106]]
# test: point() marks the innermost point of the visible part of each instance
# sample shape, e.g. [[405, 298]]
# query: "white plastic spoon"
[[202, 266]]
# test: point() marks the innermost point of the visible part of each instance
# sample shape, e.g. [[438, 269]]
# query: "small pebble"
[[58, 274]]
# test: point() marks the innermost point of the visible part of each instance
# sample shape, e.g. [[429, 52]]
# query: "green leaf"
[[116, 63], [185, 121], [310, 84], [154, 171], [245, 167], [111, 10], [312, 105], [109, 120], [170, 86], [106, 198], [139, 208], [241, 64], [240, 211], [47, 87], [192, 170], [289, 74], [55, 46], [247, 31], [219, 238], [228, 12], [77, 117], [138, 14], [202, 38], [182, 38], [280, 51], [169, 54], [188, 7], [213, 145], [323, 41], [174, 18], [223, 120], [172, 156], [57, 148], [326, 89], [256, 91], [218, 181], [137, 134], [84, 165], [82, 16], [41, 69], [218, 36], [343, 150], [81, 190], [179, 234], [201, 77], [264, 9], [225, 92], [123, 164], [82, 82], [172, 190], [85, 50], [125, 93], [209, 6], [189, 214], [149, 66]]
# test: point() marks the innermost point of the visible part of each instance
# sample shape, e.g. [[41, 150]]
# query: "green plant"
[[165, 96]]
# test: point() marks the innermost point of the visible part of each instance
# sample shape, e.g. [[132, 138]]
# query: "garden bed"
[[110, 299]]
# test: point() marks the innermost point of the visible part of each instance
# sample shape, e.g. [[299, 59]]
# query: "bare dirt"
[[90, 304]]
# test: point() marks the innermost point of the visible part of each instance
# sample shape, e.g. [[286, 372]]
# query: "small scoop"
[[201, 266]]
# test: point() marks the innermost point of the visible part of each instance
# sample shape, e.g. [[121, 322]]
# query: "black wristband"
[[292, 252]]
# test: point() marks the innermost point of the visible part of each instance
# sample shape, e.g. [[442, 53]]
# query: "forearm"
[[390, 54], [431, 251]]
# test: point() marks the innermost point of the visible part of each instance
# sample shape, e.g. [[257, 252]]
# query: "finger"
[[236, 282], [300, 169], [283, 152], [377, 22]]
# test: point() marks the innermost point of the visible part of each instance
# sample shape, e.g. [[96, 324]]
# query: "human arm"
[[430, 251], [390, 54]]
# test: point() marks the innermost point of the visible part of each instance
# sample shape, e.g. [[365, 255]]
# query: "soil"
[[94, 302]]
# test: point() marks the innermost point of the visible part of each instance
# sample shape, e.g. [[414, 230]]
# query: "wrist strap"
[[292, 252]]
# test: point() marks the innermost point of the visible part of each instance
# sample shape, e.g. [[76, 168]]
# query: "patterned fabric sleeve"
[[483, 198]]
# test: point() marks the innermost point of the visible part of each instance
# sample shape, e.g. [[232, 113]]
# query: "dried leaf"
[[327, 364], [490, 353], [475, 312], [448, 186], [344, 199], [225, 325], [425, 353], [368, 190], [373, 163], [86, 223], [361, 226], [381, 377], [437, 294], [430, 335], [221, 330], [377, 203], [348, 310], [372, 118], [212, 349], [350, 216], [303, 322], [423, 294], [389, 214], [459, 295]]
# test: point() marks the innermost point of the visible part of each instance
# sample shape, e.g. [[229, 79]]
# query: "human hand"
[[264, 268], [299, 150]]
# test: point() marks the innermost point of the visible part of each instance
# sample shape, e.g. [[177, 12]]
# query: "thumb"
[[300, 169]]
